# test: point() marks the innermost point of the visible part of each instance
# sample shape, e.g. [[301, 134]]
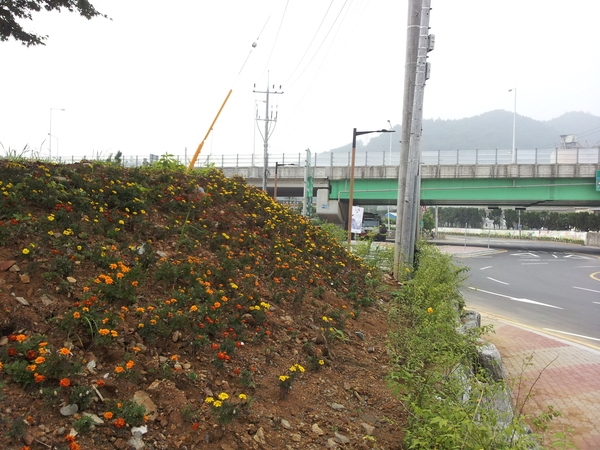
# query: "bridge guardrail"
[[381, 158]]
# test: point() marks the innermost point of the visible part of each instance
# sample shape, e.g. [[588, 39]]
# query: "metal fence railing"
[[366, 158]]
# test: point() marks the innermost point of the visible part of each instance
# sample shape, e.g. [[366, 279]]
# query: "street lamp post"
[[277, 165], [390, 123], [351, 193], [514, 155], [50, 133]]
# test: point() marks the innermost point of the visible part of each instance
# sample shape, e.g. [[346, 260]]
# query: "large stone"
[[491, 360], [142, 398]]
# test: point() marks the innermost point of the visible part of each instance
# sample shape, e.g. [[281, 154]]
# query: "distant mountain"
[[493, 130]]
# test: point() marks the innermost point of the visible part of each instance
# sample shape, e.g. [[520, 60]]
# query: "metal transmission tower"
[[268, 119]]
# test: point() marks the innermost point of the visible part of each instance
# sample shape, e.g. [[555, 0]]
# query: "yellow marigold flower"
[[223, 396], [430, 310], [243, 397], [209, 400], [283, 377], [50, 217], [217, 403], [193, 308], [321, 362], [25, 251], [233, 285]]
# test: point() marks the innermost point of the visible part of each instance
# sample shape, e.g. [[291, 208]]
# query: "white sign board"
[[357, 218]]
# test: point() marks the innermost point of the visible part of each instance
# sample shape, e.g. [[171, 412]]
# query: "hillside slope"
[[236, 322]]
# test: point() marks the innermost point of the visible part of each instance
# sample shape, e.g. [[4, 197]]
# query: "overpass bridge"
[[547, 177]]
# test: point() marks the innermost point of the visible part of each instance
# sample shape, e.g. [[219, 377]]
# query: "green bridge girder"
[[476, 191]]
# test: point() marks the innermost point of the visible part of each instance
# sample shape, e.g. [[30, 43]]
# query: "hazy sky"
[[152, 79]]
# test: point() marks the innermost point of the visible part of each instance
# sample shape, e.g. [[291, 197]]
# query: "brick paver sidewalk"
[[560, 374]]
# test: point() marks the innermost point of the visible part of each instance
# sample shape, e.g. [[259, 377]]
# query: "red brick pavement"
[[552, 372]]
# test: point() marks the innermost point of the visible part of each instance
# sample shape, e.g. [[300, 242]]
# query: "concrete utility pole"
[[267, 119], [412, 44], [426, 42]]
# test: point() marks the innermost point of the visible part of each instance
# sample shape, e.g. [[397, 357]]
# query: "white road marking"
[[555, 256], [597, 303], [522, 300], [572, 334], [486, 267], [577, 256], [534, 263], [497, 281], [586, 289], [533, 255]]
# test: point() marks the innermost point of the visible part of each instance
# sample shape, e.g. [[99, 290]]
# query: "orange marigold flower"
[[120, 422], [21, 337], [134, 283], [76, 315], [175, 358], [113, 333], [119, 369], [40, 360], [108, 415], [103, 331], [120, 275], [38, 378], [100, 383], [113, 266], [65, 351], [74, 446], [31, 367], [130, 364], [65, 382]]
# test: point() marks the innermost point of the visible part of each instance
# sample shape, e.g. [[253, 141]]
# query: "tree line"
[[510, 218]]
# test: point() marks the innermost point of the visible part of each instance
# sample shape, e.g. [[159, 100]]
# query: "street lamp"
[[50, 133], [351, 194], [514, 159], [50, 140], [390, 123], [277, 165]]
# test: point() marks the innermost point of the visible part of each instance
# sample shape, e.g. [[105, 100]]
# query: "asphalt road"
[[552, 287]]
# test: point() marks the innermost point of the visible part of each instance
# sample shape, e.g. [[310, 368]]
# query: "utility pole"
[[426, 44], [412, 44], [267, 119]]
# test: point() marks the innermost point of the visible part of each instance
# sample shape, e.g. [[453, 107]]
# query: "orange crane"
[[199, 149]]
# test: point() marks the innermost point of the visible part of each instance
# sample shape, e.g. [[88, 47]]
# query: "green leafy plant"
[[84, 424], [224, 409], [285, 381]]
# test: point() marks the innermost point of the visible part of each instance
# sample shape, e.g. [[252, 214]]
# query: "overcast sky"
[[152, 79]]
